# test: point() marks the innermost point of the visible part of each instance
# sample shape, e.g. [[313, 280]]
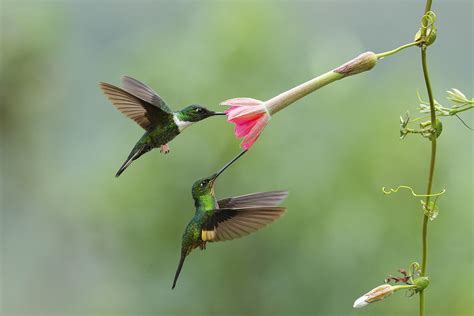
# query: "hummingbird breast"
[[193, 236], [163, 134]]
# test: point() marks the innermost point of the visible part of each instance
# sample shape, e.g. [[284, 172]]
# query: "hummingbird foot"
[[164, 149]]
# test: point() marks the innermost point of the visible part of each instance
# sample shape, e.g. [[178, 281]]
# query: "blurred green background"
[[77, 241]]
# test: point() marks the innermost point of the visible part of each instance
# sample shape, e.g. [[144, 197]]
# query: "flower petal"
[[241, 102], [255, 132], [244, 128], [250, 117], [240, 114], [244, 112]]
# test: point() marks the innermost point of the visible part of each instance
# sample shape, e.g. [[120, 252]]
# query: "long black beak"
[[219, 113], [218, 173]]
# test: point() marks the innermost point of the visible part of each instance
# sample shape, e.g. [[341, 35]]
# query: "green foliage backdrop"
[[77, 241]]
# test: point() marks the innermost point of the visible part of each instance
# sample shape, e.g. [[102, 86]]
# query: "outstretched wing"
[[144, 92], [144, 113], [232, 223], [272, 198]]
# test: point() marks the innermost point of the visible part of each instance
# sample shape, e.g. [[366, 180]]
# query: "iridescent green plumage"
[[140, 103], [219, 220]]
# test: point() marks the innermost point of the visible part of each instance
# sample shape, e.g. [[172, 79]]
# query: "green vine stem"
[[424, 62], [396, 50]]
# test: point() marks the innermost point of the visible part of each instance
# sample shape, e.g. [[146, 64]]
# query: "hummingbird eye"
[[199, 110], [203, 183]]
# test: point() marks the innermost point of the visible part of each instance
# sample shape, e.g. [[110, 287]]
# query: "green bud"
[[430, 36], [421, 283], [426, 35], [438, 127], [428, 132], [428, 28], [431, 210], [417, 37]]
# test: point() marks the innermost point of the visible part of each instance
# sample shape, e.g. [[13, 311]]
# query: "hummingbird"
[[226, 219], [140, 103]]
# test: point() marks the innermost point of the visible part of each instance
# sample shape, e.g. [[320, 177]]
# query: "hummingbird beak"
[[213, 179], [218, 173], [219, 113]]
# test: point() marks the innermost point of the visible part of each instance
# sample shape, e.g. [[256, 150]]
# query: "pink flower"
[[250, 117]]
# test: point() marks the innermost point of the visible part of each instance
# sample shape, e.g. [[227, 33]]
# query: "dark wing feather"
[[272, 198], [145, 114], [235, 223], [144, 92]]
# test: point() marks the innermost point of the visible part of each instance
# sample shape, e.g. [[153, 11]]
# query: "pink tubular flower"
[[250, 117]]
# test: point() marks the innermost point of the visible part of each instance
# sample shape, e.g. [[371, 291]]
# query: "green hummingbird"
[[140, 103], [228, 218]]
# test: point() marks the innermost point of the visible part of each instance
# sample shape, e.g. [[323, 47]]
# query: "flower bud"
[[379, 293], [361, 63]]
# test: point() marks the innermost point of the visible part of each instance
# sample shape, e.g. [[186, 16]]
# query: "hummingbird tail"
[[180, 266], [123, 167], [136, 153]]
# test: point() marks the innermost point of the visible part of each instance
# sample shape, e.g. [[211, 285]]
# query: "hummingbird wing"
[[272, 198], [232, 223], [144, 92], [142, 112]]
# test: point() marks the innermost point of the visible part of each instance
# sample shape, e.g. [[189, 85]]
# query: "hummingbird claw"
[[164, 149]]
